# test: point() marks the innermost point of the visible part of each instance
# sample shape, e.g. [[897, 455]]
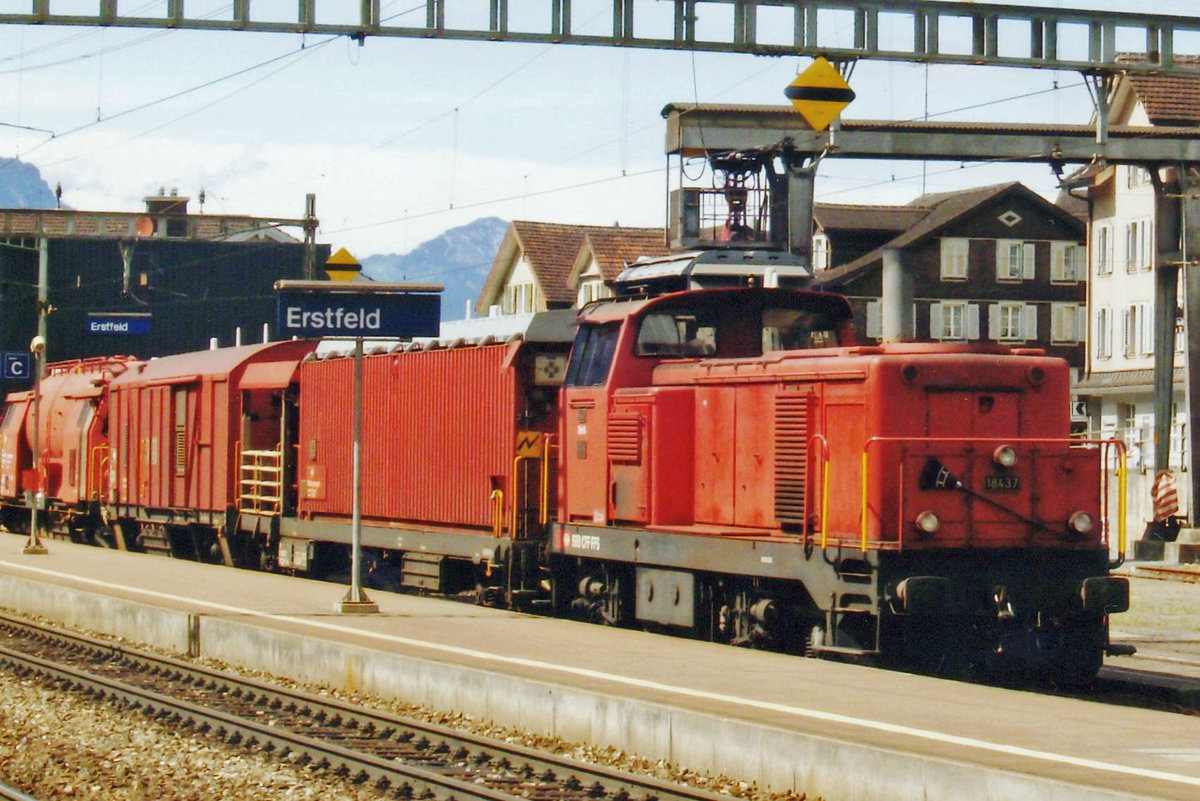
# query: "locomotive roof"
[[218, 362], [616, 310]]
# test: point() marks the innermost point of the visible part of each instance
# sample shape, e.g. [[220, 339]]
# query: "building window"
[[1137, 330], [954, 320], [874, 319], [1014, 260], [520, 298], [1104, 332], [1127, 416], [822, 255], [1139, 250], [1104, 250], [1067, 323], [955, 253], [1007, 322], [1136, 176], [1066, 262], [591, 289]]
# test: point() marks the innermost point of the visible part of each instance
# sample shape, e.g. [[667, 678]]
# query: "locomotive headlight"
[[1004, 456], [1081, 523], [928, 523]]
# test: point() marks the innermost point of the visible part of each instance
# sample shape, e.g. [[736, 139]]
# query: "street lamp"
[[37, 346]]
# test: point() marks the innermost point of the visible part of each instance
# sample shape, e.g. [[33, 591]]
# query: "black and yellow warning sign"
[[529, 444], [819, 94], [341, 266]]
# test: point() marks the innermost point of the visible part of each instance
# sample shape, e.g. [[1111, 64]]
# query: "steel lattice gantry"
[[708, 130], [841, 30]]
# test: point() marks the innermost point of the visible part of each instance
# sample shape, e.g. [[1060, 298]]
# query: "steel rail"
[[569, 778], [10, 793]]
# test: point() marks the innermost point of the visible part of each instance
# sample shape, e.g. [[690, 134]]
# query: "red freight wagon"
[[73, 441], [452, 460], [177, 428]]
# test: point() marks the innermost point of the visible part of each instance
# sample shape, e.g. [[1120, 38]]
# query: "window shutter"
[[1080, 324], [874, 319], [1029, 324], [1127, 330], [1058, 252], [994, 322], [1001, 259], [1147, 330], [935, 320], [1028, 254], [972, 321], [1078, 267]]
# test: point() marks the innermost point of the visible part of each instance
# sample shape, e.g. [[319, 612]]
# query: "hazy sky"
[[401, 139]]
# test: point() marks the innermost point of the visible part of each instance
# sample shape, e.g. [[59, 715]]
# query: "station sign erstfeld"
[[359, 314]]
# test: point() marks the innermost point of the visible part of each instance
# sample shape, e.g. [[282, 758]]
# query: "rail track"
[[402, 757]]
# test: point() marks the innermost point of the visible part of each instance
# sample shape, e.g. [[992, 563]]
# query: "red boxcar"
[[454, 475], [178, 427]]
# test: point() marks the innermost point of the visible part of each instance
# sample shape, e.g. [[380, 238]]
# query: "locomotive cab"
[[623, 411]]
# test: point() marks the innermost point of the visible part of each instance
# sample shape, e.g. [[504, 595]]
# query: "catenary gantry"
[[841, 30]]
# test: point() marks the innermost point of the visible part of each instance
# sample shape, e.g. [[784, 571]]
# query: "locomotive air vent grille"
[[791, 456], [625, 439]]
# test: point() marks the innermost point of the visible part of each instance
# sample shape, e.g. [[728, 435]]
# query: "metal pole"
[[356, 600], [38, 348]]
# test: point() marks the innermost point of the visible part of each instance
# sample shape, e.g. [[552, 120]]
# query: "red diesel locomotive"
[[723, 462]]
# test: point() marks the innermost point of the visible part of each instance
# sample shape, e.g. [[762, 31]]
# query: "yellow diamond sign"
[[341, 266], [819, 94]]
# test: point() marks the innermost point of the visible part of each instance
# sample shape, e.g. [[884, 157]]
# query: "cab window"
[[680, 333], [592, 355], [796, 329]]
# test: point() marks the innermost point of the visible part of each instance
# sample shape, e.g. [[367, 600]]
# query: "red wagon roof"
[[275, 364]]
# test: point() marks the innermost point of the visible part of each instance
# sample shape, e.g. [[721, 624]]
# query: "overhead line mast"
[[998, 35]]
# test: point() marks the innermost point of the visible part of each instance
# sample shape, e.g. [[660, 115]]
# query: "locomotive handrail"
[[1072, 442], [1122, 485], [819, 439], [547, 446], [497, 499], [516, 495]]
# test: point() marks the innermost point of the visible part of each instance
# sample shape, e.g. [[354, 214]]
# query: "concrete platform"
[[836, 731]]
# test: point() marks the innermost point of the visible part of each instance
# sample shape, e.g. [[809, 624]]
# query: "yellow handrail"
[[97, 462], [516, 481], [547, 446], [497, 499]]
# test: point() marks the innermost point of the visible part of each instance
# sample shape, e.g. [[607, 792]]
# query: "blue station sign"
[[118, 323], [358, 314]]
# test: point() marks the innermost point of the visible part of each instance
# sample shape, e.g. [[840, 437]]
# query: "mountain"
[[22, 187], [460, 259]]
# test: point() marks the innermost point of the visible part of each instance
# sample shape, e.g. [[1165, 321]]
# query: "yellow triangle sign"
[[341, 266], [819, 94]]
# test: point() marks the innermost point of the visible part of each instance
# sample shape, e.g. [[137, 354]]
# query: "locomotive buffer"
[[343, 309]]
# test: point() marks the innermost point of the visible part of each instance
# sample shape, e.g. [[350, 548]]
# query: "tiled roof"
[[615, 248], [1167, 100], [551, 249], [938, 210], [846, 217]]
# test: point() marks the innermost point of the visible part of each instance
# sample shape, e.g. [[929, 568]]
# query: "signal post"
[[347, 309]]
